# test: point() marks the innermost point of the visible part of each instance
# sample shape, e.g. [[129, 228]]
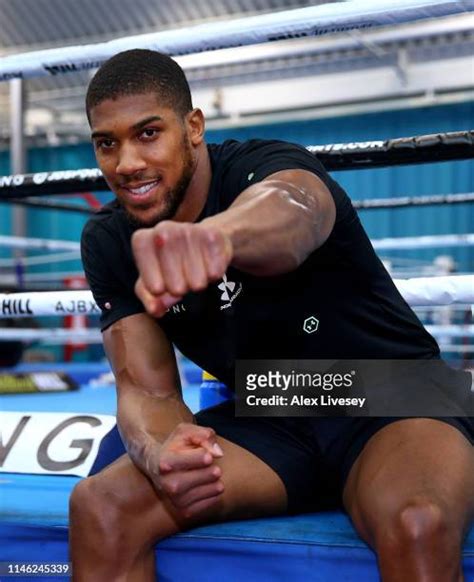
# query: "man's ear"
[[195, 124]]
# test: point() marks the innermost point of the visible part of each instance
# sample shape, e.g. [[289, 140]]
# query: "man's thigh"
[[290, 447], [407, 461], [251, 489]]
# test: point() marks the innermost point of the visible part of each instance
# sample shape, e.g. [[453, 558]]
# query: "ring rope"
[[93, 335], [18, 242], [52, 335], [423, 242], [416, 291], [49, 205], [40, 279], [457, 145], [40, 259], [308, 22], [410, 201], [402, 242], [367, 204], [420, 291], [456, 349]]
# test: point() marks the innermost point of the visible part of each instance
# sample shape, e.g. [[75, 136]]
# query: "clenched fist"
[[174, 258]]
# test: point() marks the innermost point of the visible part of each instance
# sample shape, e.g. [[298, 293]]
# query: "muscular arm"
[[270, 229], [156, 425], [150, 405], [275, 224]]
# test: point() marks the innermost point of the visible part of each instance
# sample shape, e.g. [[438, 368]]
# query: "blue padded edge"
[[313, 548]]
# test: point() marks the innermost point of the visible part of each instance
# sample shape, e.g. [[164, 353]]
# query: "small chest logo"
[[230, 291], [226, 287], [311, 324]]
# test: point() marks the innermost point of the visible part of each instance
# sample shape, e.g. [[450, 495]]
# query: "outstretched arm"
[[270, 229], [275, 224]]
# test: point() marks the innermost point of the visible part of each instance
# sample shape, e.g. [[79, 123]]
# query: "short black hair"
[[140, 71]]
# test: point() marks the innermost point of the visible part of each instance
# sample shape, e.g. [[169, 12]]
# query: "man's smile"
[[141, 191]]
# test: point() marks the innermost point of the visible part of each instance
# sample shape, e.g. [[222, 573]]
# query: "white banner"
[[39, 303], [54, 443], [417, 291]]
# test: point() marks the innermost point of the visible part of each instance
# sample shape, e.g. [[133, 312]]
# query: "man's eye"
[[104, 143], [149, 132]]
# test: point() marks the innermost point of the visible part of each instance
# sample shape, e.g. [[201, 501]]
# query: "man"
[[234, 246]]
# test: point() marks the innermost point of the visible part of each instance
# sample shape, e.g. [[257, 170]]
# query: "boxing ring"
[[58, 421]]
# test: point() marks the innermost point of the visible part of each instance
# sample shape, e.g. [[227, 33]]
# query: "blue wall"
[[448, 177], [440, 178], [51, 224]]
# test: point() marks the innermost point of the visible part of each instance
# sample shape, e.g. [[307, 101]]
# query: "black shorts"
[[312, 456]]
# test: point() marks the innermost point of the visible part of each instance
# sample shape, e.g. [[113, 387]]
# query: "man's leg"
[[410, 495], [116, 516]]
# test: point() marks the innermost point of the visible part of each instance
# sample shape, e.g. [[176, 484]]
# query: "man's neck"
[[198, 189]]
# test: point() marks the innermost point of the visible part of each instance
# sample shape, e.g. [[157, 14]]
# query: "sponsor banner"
[[47, 303], [48, 177], [36, 382], [352, 388], [337, 147], [26, 185], [53, 443]]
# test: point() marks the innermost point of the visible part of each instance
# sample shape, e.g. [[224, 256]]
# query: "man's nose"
[[129, 161]]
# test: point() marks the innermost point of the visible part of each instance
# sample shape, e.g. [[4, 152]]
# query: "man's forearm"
[[145, 421]]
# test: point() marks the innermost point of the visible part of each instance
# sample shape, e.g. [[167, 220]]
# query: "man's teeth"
[[143, 189]]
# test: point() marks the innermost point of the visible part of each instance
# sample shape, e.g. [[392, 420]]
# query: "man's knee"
[[421, 520], [420, 524], [94, 502]]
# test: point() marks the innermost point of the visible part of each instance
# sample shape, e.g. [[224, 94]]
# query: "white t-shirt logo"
[[225, 287], [230, 291]]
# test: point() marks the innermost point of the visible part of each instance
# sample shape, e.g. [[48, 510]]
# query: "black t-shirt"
[[340, 303]]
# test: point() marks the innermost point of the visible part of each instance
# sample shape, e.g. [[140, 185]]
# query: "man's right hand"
[[174, 258], [187, 472]]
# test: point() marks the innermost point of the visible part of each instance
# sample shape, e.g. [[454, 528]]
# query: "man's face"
[[145, 154]]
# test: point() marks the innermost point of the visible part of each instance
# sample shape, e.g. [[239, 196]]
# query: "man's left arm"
[[270, 229]]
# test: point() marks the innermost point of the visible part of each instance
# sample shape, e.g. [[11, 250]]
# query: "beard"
[[172, 198]]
